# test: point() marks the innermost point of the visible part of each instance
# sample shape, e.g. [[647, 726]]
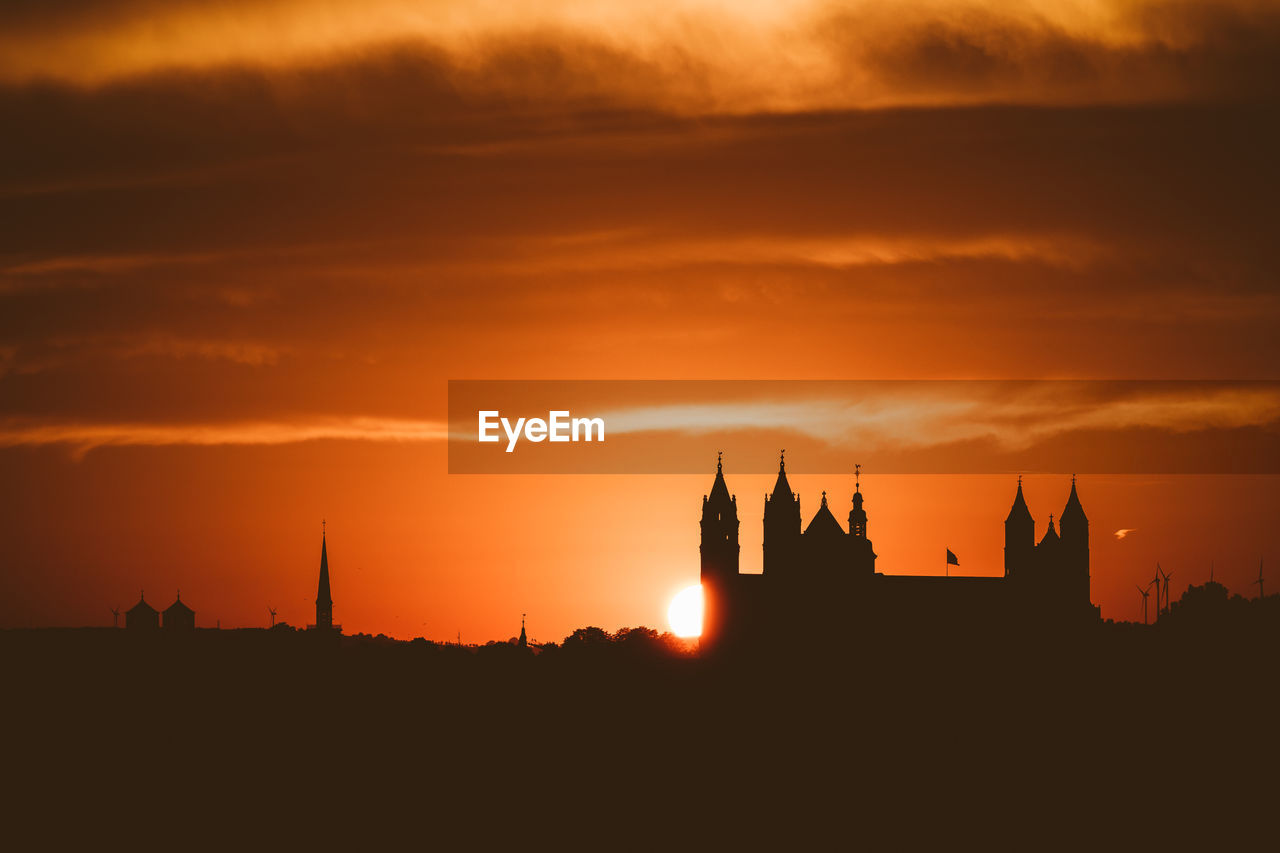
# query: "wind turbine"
[[1166, 593], [1144, 593], [1261, 590], [1155, 579], [272, 611], [115, 617]]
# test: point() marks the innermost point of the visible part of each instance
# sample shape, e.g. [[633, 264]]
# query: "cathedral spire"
[[719, 490], [324, 600], [1073, 511], [1019, 510], [781, 488]]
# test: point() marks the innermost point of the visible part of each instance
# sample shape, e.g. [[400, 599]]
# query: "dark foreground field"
[[1108, 736]]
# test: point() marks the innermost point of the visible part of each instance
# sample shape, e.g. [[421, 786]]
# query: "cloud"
[[1014, 416], [348, 221], [689, 56], [84, 437]]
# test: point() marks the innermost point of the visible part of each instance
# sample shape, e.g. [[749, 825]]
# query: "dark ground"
[[1112, 735]]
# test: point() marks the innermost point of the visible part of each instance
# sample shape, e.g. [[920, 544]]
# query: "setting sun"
[[685, 613]]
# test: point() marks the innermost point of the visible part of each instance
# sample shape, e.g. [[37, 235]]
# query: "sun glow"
[[685, 612]]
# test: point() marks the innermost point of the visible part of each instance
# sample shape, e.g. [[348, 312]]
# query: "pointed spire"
[[1073, 511], [719, 491], [781, 488], [324, 599], [1019, 510], [824, 498]]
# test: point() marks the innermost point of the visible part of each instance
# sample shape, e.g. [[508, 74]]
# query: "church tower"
[[781, 525], [1075, 530], [1019, 536], [719, 552], [862, 556], [1075, 548], [719, 529], [857, 515], [324, 601]]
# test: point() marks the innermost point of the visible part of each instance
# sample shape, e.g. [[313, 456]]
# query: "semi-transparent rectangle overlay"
[[886, 426]]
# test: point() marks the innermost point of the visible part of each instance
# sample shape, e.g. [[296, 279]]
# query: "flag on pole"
[[951, 558]]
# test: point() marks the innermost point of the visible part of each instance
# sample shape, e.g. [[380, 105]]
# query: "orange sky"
[[251, 244]]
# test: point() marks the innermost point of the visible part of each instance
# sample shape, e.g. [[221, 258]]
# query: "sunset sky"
[[245, 246]]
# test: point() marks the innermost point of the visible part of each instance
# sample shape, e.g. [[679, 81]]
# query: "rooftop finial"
[[782, 460], [322, 526], [1073, 481], [857, 476], [719, 461], [1019, 481], [824, 498]]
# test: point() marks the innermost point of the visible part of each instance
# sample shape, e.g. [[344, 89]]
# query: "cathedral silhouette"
[[822, 579]]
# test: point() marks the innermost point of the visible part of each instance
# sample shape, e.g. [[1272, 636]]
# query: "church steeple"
[[523, 642], [324, 600], [719, 527], [1074, 523], [719, 551], [857, 515], [1019, 511], [1019, 536], [781, 523], [781, 488]]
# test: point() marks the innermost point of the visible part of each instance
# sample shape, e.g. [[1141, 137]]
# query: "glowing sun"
[[685, 612]]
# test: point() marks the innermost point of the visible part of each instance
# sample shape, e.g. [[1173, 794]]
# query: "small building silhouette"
[[142, 616], [179, 616]]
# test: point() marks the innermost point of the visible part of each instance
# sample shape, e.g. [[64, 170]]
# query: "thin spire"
[[857, 474], [324, 597], [719, 461], [782, 461], [824, 498]]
